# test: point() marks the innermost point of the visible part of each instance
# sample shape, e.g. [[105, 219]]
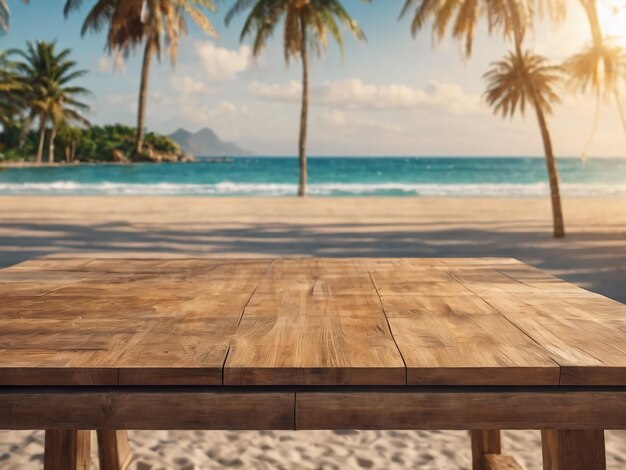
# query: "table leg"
[[487, 452], [573, 450], [67, 450], [484, 443], [113, 450]]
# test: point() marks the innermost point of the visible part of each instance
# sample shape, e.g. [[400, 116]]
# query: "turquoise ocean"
[[328, 176]]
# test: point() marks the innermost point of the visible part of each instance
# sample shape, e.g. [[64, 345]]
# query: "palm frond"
[[516, 81], [598, 68], [47, 76], [504, 17], [321, 19]]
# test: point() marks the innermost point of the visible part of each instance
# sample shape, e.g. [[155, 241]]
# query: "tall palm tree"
[[47, 77], [307, 26], [5, 15], [154, 23], [527, 79], [511, 19]]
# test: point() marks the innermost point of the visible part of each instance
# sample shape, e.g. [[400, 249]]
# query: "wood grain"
[[314, 351], [461, 340], [217, 408], [113, 450], [500, 462], [484, 443], [129, 408], [67, 450], [573, 450], [586, 336], [446, 408], [304, 322]]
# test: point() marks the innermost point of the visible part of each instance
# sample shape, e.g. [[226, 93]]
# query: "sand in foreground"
[[593, 256]]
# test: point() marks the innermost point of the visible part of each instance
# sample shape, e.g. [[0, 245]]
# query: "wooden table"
[[478, 344]]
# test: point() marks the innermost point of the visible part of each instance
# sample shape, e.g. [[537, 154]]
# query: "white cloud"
[[221, 64], [187, 85], [355, 123], [291, 91], [358, 95]]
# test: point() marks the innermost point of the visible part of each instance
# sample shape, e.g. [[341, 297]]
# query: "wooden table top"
[[304, 322]]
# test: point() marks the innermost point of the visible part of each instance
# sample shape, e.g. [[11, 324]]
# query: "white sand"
[[593, 255]]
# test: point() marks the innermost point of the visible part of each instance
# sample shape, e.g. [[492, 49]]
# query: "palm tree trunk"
[[143, 95], [594, 22], [42, 138], [302, 186], [553, 176], [73, 152], [53, 136]]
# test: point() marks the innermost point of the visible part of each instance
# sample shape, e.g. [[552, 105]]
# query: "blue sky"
[[394, 95]]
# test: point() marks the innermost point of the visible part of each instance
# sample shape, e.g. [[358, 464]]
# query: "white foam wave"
[[228, 188]]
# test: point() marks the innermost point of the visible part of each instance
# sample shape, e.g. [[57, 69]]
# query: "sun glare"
[[612, 16]]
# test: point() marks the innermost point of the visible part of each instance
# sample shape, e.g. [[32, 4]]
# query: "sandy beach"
[[592, 256]]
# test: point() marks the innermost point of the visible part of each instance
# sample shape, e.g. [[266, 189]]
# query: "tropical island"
[[39, 85], [43, 119]]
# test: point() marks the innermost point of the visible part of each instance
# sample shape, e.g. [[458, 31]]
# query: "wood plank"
[[483, 443], [447, 408], [127, 322], [313, 351], [313, 304], [573, 450], [46, 367], [425, 282], [585, 336], [461, 340], [113, 450], [172, 360], [304, 322], [312, 268], [484, 280], [299, 331], [135, 409], [52, 264], [345, 408], [67, 450]]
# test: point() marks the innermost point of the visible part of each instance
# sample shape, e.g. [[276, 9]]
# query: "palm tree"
[[533, 78], [5, 15], [518, 80], [307, 26], [69, 137], [599, 67], [505, 17], [153, 22], [47, 77]]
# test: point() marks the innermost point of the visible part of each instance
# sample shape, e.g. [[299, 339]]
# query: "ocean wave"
[[228, 188]]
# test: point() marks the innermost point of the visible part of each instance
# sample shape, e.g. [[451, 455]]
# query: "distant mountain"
[[206, 143]]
